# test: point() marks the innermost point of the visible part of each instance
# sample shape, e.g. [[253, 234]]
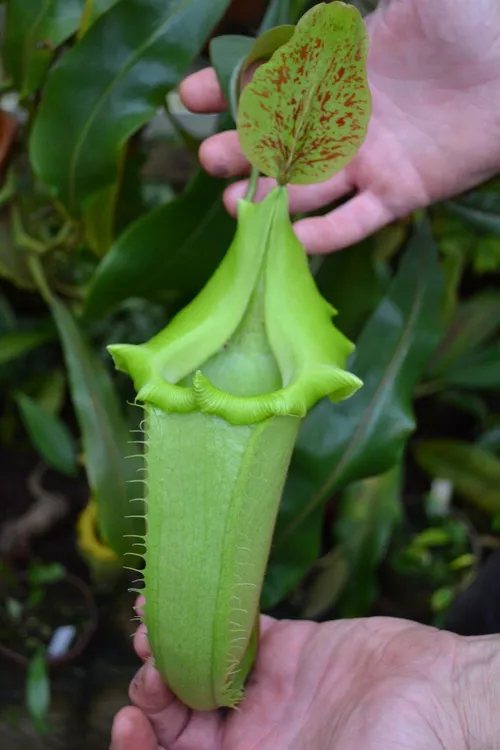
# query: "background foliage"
[[108, 227]]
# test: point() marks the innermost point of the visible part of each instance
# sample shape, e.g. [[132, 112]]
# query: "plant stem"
[[39, 277], [252, 184]]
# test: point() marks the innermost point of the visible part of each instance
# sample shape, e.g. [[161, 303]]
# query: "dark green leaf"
[[105, 435], [8, 321], [13, 258], [282, 12], [226, 55], [33, 31], [490, 440], [464, 401], [453, 264], [98, 219], [279, 581], [474, 471], [474, 322], [139, 50], [93, 10], [291, 560], [481, 219], [369, 511], [365, 6], [13, 345], [38, 689], [174, 247], [365, 435], [49, 435], [480, 369], [332, 574], [354, 283]]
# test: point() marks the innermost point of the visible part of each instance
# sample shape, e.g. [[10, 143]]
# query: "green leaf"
[[369, 511], [480, 369], [474, 322], [98, 219], [34, 29], [49, 435], [227, 54], [282, 12], [490, 440], [13, 258], [467, 560], [442, 598], [465, 401], [366, 435], [14, 345], [52, 391], [367, 514], [432, 537], [354, 283], [266, 45], [480, 218], [93, 10], [232, 55], [474, 472], [332, 575], [38, 689], [174, 247], [40, 574], [306, 111], [139, 50], [105, 435]]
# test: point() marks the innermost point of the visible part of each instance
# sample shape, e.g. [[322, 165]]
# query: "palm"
[[377, 683], [434, 71], [431, 72]]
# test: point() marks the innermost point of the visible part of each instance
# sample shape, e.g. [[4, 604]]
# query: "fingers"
[[132, 730], [141, 644], [167, 716], [352, 222], [200, 92], [302, 198], [139, 605], [221, 155]]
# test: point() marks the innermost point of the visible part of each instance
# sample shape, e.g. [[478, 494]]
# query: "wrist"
[[477, 690]]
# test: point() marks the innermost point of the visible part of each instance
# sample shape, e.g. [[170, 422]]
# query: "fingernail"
[[138, 679], [149, 679]]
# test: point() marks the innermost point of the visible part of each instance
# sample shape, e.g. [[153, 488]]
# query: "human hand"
[[434, 73], [372, 684]]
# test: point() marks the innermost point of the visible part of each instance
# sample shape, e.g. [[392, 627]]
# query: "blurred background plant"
[[107, 228]]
